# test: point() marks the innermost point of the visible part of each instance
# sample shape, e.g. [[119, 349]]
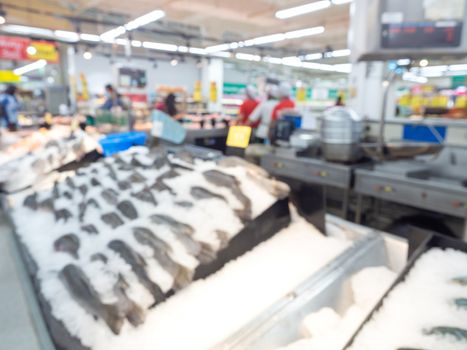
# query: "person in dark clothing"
[[113, 99], [170, 105], [9, 107]]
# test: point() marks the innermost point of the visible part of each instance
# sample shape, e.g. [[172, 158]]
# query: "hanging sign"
[[15, 48], [7, 76]]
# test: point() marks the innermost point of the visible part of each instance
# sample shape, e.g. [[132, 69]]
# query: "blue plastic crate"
[[114, 143], [423, 133]]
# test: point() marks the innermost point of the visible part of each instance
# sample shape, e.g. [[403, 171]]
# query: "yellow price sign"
[[7, 76], [44, 51], [239, 136], [48, 118]]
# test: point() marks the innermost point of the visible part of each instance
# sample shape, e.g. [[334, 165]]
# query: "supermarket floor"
[[17, 330]]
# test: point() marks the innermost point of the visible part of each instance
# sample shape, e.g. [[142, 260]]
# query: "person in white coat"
[[263, 112]]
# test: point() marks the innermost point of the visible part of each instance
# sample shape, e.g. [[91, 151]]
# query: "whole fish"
[[138, 265], [182, 276], [67, 195], [161, 186], [127, 209], [55, 191], [70, 183], [232, 162], [207, 253], [462, 281], [62, 214], [90, 229], [38, 165], [221, 179], [185, 156], [458, 333], [111, 172], [202, 193], [95, 182], [145, 195], [52, 143], [81, 289], [136, 177], [31, 201], [124, 185], [110, 196], [47, 204], [182, 232], [185, 204], [83, 189], [99, 257], [94, 171], [112, 219], [223, 238], [68, 244], [127, 307], [461, 303], [160, 161], [82, 207]]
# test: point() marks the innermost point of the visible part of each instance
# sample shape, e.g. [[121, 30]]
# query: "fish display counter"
[[27, 158], [148, 225], [326, 309]]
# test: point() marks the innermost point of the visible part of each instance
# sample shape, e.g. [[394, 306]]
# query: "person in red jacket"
[[285, 101], [248, 106]]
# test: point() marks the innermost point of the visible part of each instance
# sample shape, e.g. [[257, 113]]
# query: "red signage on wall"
[[15, 48]]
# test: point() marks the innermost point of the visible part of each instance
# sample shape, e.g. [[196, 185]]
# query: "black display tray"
[[258, 230], [432, 240]]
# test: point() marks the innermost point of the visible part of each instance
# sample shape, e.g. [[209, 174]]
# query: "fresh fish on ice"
[[185, 156], [62, 214], [55, 191], [223, 238], [124, 185], [127, 209], [68, 244], [81, 289], [112, 219], [185, 204], [31, 201], [70, 183], [90, 229], [39, 166], [462, 281], [181, 275], [221, 179], [461, 303], [457, 333], [47, 204], [95, 182], [202, 193], [112, 173], [126, 307], [83, 189], [136, 177], [67, 195], [138, 265], [145, 195], [99, 257], [110, 196]]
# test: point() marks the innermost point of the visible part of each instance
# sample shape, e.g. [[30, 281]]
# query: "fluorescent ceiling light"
[[110, 35], [30, 67], [25, 30], [273, 60], [145, 19], [304, 32], [314, 56], [340, 53], [66, 35], [292, 61], [122, 42], [197, 51], [136, 43], [90, 37], [217, 48], [341, 2], [160, 46], [458, 67], [183, 49], [318, 66], [223, 54], [247, 57], [301, 10], [407, 76], [265, 39], [343, 68], [404, 62]]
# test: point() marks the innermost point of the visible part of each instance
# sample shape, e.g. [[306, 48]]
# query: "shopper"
[[113, 99], [262, 115], [285, 102], [170, 105], [9, 107], [339, 101], [248, 106]]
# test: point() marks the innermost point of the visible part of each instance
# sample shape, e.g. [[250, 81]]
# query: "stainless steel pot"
[[341, 133]]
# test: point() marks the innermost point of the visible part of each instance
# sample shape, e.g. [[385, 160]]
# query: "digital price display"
[[437, 34]]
